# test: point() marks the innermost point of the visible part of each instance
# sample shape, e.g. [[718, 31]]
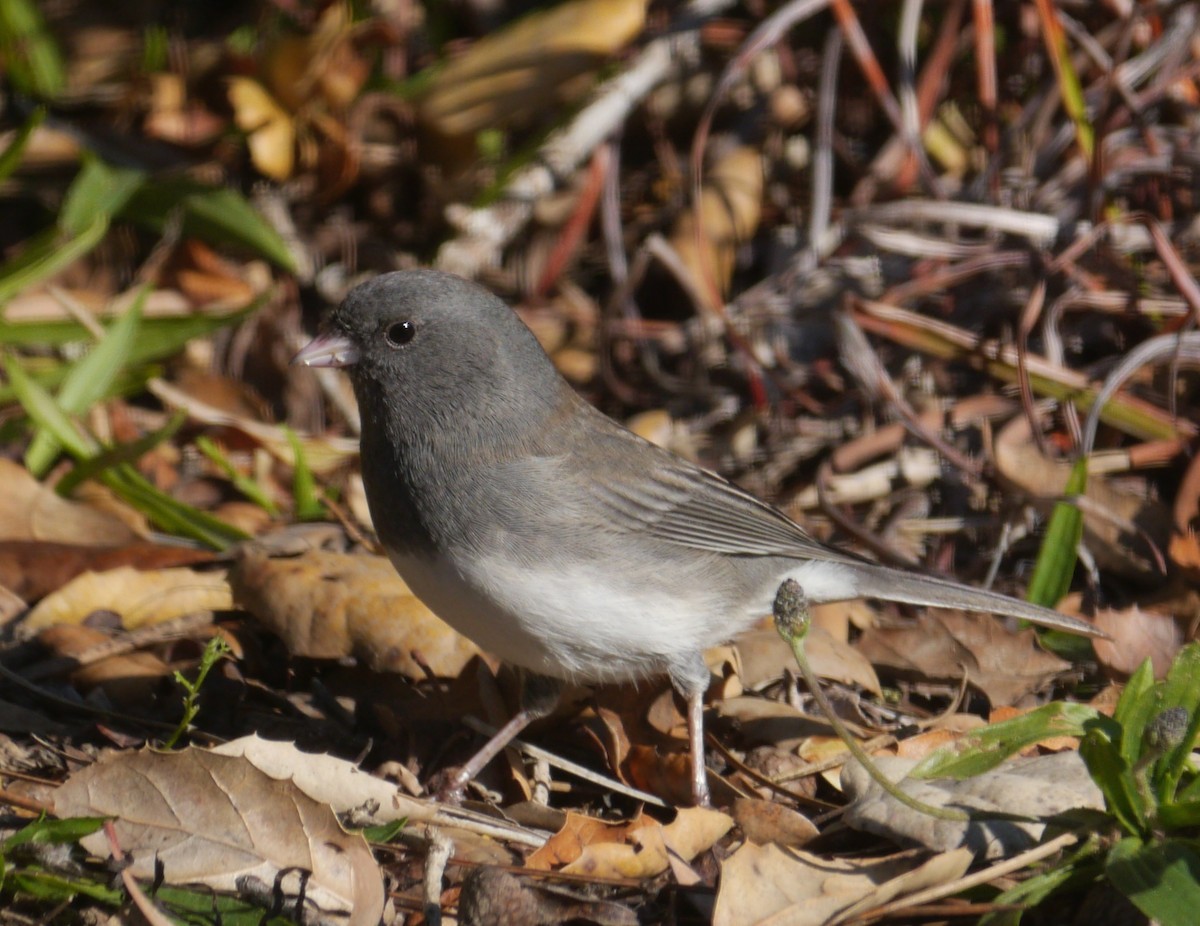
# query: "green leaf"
[[1180, 814], [384, 832], [40, 406], [1161, 878], [1137, 704], [218, 215], [1077, 872], [1181, 689], [10, 160], [244, 484], [98, 190], [169, 514], [45, 886], [89, 381], [32, 59], [47, 831], [120, 453], [307, 501], [1114, 777], [1056, 560], [984, 749], [45, 254]]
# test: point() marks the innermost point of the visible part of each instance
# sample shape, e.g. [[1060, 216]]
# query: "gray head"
[[434, 350]]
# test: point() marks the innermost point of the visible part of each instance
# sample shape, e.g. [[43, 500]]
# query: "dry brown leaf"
[[140, 598], [31, 511], [333, 605], [765, 822], [944, 645], [576, 834], [493, 897], [648, 852], [764, 721], [1136, 636], [271, 133], [764, 656], [1038, 787], [211, 819], [729, 210], [667, 773], [761, 884], [528, 66], [33, 568], [126, 679]]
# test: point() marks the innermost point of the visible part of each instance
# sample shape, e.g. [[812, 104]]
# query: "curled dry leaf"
[[1038, 787], [769, 884], [649, 850], [211, 819], [523, 69], [140, 598], [1136, 636], [945, 645], [269, 127], [729, 210], [333, 605], [33, 568], [764, 656], [767, 822], [576, 834], [31, 511], [126, 679], [493, 897]]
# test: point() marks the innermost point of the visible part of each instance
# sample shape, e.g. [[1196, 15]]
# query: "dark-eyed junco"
[[549, 534]]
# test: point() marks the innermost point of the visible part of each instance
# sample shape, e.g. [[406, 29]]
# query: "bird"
[[552, 536]]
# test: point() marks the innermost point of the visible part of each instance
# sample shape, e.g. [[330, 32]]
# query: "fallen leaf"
[[31, 511], [269, 127], [763, 657], [126, 679], [1038, 787], [728, 211], [1136, 636], [770, 884], [195, 817], [522, 69], [140, 598], [34, 568], [647, 854], [945, 645], [333, 605], [576, 834], [765, 822], [494, 897]]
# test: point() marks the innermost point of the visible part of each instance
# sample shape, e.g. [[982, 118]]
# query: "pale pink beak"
[[328, 350]]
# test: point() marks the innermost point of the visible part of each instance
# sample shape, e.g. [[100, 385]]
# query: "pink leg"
[[695, 721], [539, 695]]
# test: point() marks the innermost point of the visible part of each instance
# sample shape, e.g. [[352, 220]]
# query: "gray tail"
[[929, 591]]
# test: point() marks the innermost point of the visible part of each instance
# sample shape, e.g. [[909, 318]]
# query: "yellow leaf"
[[270, 129]]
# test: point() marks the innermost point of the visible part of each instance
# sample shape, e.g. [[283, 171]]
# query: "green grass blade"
[[40, 406], [10, 160], [45, 254], [89, 381], [1060, 548], [32, 59]]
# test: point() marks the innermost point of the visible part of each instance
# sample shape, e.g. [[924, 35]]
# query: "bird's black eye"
[[400, 333]]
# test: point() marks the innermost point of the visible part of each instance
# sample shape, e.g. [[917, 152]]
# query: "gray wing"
[[669, 498]]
